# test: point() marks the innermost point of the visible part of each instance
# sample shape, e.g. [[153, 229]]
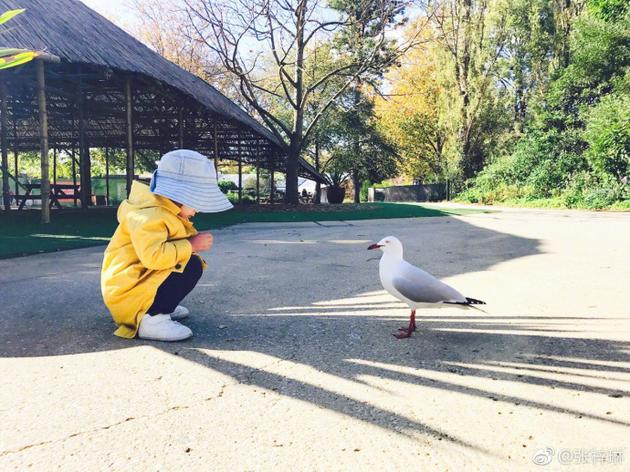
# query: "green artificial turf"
[[21, 233]]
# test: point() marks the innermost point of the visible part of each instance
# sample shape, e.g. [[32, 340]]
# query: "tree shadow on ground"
[[321, 324]]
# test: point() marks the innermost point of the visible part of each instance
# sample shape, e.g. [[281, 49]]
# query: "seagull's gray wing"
[[421, 287]]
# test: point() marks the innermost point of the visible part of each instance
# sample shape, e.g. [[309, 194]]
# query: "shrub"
[[363, 193], [599, 198], [588, 191], [608, 135], [227, 185], [248, 200]]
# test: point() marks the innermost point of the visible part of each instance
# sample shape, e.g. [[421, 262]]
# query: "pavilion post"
[[83, 156], [84, 152], [107, 176], [318, 185], [240, 173], [74, 159], [181, 128], [257, 172], [130, 164], [43, 135], [74, 173], [54, 165], [17, 173], [3, 143], [216, 148], [271, 178], [216, 142], [15, 157]]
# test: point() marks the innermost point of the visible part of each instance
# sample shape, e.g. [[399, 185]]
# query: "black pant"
[[176, 287]]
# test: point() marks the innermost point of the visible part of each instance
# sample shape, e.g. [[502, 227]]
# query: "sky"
[[117, 11]]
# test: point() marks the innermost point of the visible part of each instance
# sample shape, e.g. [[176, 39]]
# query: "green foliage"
[[248, 200], [600, 53], [227, 185], [10, 57], [608, 136], [352, 144], [623, 205], [250, 183], [364, 190], [366, 23], [576, 148], [608, 9], [588, 191], [7, 15], [232, 197]]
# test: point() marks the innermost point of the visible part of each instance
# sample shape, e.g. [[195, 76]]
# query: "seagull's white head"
[[389, 245]]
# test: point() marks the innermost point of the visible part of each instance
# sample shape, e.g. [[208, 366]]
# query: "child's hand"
[[201, 242]]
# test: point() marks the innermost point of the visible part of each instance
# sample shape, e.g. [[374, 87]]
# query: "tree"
[[355, 147], [265, 44], [164, 26], [577, 140], [608, 136], [529, 56], [359, 114], [411, 114], [474, 38]]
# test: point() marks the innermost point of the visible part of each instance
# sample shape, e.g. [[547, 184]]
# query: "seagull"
[[412, 285]]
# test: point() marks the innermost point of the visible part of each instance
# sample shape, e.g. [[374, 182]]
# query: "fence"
[[409, 193]]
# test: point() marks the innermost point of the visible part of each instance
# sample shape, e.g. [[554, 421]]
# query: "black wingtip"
[[474, 301]]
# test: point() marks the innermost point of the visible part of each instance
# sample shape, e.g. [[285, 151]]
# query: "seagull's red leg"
[[412, 322], [406, 332]]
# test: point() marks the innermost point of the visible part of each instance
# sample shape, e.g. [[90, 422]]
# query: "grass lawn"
[[22, 234]]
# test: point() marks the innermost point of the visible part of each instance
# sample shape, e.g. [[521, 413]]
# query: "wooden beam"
[[43, 134], [6, 198], [130, 164]]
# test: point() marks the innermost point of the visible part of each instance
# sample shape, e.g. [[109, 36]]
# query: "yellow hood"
[[141, 197]]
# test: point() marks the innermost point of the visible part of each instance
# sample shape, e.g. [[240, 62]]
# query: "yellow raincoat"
[[149, 243]]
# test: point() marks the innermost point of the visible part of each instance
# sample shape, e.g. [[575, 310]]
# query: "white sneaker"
[[180, 313], [162, 328]]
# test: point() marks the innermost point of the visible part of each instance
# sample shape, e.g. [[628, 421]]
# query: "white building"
[[279, 183]]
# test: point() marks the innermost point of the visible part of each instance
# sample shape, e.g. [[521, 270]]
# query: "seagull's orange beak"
[[374, 246]]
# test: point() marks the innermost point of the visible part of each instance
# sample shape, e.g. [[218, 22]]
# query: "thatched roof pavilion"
[[103, 88]]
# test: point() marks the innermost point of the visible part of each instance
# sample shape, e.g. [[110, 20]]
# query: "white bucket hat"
[[189, 178]]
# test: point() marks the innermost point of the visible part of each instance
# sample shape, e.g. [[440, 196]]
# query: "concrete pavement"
[[293, 365]]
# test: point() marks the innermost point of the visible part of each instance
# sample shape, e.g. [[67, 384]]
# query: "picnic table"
[[57, 192]]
